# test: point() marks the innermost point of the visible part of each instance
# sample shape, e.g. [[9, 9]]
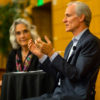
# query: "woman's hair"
[[82, 8], [30, 27]]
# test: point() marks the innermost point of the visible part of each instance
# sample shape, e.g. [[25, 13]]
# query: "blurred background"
[[47, 15]]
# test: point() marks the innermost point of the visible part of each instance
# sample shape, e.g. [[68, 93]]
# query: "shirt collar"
[[76, 38]]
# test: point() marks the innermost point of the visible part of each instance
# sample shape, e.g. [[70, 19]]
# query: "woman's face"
[[22, 35]]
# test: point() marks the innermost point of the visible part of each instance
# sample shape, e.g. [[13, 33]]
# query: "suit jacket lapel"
[[78, 44], [68, 50]]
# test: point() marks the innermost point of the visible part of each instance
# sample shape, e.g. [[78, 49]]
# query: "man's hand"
[[45, 47], [34, 49]]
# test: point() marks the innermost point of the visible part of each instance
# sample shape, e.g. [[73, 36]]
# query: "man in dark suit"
[[76, 73]]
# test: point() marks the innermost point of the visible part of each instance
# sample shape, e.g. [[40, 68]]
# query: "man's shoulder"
[[91, 37]]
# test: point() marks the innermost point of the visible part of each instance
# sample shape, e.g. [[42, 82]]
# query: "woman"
[[20, 58]]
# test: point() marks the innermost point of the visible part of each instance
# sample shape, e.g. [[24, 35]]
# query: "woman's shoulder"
[[12, 52]]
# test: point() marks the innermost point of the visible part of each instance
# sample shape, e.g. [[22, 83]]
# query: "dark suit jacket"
[[77, 77]]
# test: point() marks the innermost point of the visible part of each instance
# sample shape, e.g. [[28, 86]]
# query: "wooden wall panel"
[[58, 16], [4, 2], [57, 4], [60, 37], [97, 97], [61, 34], [3, 61], [95, 25], [42, 19], [94, 6], [60, 46], [46, 1]]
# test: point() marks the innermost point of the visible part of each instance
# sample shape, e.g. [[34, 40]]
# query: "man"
[[76, 73]]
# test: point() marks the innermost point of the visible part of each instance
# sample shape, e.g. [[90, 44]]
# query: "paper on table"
[[37, 71], [19, 72], [27, 71]]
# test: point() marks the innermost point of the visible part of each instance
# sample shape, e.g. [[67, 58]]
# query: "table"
[[16, 86]]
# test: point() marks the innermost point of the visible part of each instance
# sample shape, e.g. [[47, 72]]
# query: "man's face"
[[71, 20]]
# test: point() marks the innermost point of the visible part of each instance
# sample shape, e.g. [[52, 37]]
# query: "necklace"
[[24, 55]]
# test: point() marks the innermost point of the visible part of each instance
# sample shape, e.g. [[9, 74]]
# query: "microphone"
[[74, 47]]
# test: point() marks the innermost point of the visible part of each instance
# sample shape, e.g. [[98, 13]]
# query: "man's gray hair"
[[82, 8], [30, 27]]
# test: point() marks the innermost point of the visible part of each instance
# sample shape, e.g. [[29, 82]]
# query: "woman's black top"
[[11, 63]]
